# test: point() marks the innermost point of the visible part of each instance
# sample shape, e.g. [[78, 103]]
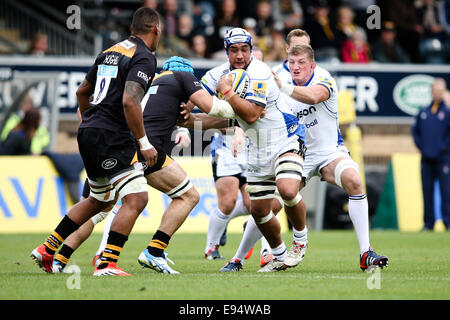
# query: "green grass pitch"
[[419, 268]]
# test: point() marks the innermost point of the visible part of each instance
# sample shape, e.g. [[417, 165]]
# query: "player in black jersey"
[[175, 85], [109, 100]]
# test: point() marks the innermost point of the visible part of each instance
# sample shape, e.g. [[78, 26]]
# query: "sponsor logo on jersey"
[[311, 124], [107, 71], [109, 163], [143, 76], [306, 112], [259, 90]]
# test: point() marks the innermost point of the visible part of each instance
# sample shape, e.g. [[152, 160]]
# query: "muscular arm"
[[131, 100], [84, 92], [310, 95], [246, 110]]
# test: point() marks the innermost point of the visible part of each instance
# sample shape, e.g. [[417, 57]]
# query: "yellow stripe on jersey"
[[164, 73], [128, 52]]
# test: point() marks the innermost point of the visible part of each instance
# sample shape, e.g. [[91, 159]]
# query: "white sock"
[[358, 209], [106, 229], [300, 236], [265, 246], [239, 209], [249, 238], [280, 252], [217, 225]]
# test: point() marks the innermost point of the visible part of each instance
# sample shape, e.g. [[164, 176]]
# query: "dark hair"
[[30, 122], [144, 19]]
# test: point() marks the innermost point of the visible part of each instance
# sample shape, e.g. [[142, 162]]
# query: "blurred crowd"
[[404, 31], [401, 31]]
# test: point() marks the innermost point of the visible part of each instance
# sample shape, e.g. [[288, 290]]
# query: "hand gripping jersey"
[[272, 134], [320, 120]]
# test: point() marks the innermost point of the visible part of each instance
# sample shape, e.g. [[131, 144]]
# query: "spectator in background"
[[386, 49], [39, 45], [325, 39], [356, 49], [226, 18], [199, 47], [150, 4], [409, 31], [41, 137], [431, 133], [18, 141], [345, 21], [428, 15], [276, 49], [289, 12], [169, 12], [264, 20]]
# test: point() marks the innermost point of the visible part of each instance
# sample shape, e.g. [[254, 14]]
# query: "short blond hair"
[[297, 33], [302, 49]]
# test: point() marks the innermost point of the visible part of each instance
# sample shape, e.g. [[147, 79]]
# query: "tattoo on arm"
[[135, 90]]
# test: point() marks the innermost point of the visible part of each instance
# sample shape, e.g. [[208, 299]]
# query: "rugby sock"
[[106, 229], [64, 254], [300, 236], [159, 242], [280, 252], [238, 210], [112, 250], [264, 245], [62, 231], [250, 237], [218, 222], [358, 209]]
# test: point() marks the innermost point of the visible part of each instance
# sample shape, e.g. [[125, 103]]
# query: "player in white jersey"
[[276, 146], [316, 93], [230, 177]]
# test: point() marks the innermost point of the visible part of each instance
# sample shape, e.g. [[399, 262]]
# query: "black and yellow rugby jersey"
[[162, 103], [129, 60]]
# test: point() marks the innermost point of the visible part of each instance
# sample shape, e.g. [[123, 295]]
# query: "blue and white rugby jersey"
[[320, 120], [274, 132]]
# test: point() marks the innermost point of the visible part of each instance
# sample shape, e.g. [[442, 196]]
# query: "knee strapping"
[[293, 202], [289, 167], [133, 183], [263, 219], [179, 190], [341, 166]]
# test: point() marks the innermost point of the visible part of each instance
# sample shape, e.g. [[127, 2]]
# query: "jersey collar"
[[307, 82]]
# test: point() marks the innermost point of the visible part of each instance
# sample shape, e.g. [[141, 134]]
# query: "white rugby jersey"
[[320, 120], [278, 128]]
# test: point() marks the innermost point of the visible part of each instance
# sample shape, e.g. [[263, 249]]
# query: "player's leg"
[[74, 241], [288, 169], [173, 181], [344, 172], [105, 234], [227, 188], [76, 216]]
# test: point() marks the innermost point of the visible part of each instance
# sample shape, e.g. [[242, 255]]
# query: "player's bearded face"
[[239, 55], [301, 68]]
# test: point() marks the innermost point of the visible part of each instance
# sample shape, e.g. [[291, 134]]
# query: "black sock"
[[112, 250], [159, 242]]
